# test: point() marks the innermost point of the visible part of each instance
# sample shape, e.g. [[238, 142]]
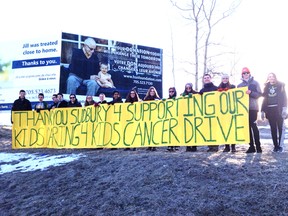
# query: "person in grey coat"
[[254, 92]]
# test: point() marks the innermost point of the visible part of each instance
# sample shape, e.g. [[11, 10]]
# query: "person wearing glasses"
[[83, 69], [254, 92], [73, 102], [132, 97], [224, 86], [151, 94], [54, 102], [172, 95]]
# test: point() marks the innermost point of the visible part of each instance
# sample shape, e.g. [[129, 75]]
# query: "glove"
[[284, 112], [262, 115], [163, 99]]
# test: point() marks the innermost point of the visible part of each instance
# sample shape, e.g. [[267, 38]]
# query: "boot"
[[258, 148], [251, 150], [233, 146], [227, 148], [194, 148]]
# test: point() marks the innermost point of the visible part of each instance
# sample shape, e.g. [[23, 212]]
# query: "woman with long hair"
[[274, 107], [172, 95], [151, 95], [132, 97]]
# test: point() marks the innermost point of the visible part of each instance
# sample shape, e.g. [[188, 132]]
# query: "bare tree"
[[205, 16]]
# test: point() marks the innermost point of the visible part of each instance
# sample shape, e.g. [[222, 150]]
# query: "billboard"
[[128, 65], [44, 66]]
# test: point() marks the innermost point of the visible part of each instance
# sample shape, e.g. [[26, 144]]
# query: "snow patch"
[[24, 162]]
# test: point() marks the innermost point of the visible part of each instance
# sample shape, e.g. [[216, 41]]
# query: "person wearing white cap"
[[224, 86]]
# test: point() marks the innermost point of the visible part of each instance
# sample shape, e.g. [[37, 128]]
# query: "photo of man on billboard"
[[83, 69]]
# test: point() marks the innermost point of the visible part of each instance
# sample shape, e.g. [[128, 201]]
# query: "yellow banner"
[[210, 119]]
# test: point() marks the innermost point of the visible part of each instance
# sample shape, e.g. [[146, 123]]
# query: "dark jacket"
[[225, 86], [83, 67], [118, 100], [278, 93], [75, 104], [21, 104], [208, 87], [256, 92], [62, 104]]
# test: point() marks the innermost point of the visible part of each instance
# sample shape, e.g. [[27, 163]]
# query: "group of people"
[[274, 106]]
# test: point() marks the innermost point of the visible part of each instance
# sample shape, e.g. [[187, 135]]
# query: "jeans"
[[73, 82]]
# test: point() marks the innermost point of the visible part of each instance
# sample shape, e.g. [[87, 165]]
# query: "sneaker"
[[251, 150]]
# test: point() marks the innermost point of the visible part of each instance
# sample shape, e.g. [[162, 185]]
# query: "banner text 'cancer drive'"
[[210, 119]]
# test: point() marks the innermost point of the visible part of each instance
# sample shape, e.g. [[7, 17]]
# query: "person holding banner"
[[102, 97], [21, 103], [89, 101], [151, 94], [172, 95], [254, 92], [73, 102], [188, 91], [116, 98], [274, 108], [208, 87], [61, 102], [83, 69], [224, 86], [55, 102], [132, 97], [41, 105]]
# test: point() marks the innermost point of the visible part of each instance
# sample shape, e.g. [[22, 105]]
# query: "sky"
[[255, 31]]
